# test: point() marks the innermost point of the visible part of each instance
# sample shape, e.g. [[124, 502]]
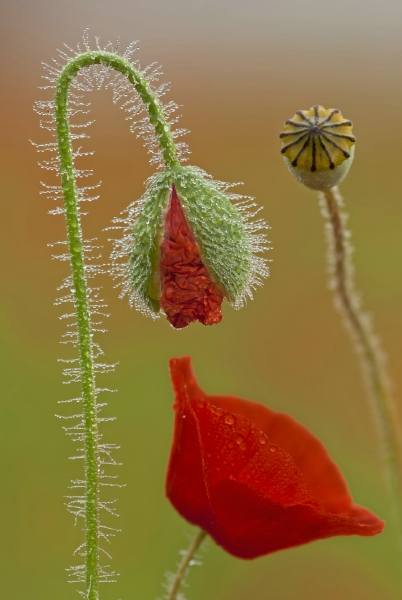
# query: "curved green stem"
[[81, 299]]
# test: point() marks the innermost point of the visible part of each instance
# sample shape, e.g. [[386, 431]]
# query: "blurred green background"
[[240, 69]]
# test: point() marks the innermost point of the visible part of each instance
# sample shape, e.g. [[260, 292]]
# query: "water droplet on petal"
[[262, 439], [229, 419], [273, 448], [243, 446], [230, 444], [219, 412], [239, 440]]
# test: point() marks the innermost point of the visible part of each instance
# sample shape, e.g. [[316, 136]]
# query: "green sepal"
[[147, 232], [218, 228]]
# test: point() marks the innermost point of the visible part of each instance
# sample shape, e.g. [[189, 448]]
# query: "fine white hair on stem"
[[90, 78]]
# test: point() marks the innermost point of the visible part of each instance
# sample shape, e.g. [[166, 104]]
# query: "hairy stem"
[[185, 563], [360, 328], [75, 243]]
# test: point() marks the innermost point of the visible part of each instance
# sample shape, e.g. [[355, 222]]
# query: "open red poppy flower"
[[255, 479]]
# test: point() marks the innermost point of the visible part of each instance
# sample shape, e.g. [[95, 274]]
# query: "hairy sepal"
[[147, 231], [219, 230]]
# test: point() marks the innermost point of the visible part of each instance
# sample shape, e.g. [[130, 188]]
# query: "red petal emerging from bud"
[[188, 293]]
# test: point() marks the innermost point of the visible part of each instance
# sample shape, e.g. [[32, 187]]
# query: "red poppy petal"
[[251, 524], [247, 493], [185, 470], [188, 293], [322, 476], [235, 449]]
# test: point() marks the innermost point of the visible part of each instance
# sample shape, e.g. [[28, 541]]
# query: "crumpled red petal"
[[256, 480], [188, 293]]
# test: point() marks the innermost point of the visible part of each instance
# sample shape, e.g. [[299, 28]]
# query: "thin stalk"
[[367, 343], [185, 563], [81, 300]]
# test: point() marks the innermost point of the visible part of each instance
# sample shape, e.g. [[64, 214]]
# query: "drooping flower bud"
[[189, 247], [318, 147]]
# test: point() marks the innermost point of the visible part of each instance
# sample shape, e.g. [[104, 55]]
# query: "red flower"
[[256, 480], [188, 293]]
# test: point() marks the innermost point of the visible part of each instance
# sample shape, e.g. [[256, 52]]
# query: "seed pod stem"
[[365, 340]]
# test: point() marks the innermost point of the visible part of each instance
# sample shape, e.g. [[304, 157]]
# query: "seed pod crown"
[[318, 146]]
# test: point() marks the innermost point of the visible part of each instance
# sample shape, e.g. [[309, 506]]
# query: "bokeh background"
[[240, 69]]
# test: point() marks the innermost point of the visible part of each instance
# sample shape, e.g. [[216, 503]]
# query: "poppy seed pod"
[[318, 147], [189, 247]]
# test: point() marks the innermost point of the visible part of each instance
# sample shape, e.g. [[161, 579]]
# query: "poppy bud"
[[318, 147], [191, 247]]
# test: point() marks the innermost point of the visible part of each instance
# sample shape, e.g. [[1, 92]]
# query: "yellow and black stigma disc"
[[317, 139]]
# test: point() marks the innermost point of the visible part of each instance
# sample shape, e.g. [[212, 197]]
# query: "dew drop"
[[230, 445], [262, 439], [219, 412], [232, 476], [229, 419], [273, 448], [239, 440], [243, 446], [212, 408]]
